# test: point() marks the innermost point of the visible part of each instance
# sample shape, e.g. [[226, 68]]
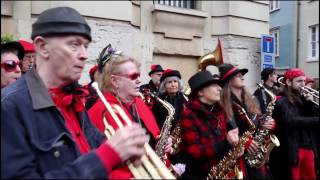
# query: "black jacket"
[[297, 126], [161, 113], [263, 97], [35, 142]]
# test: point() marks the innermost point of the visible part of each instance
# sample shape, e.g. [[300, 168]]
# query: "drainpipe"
[[298, 30]]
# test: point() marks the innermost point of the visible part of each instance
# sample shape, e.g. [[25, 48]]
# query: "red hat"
[[92, 71], [309, 80], [27, 46], [293, 73], [155, 68], [169, 73]]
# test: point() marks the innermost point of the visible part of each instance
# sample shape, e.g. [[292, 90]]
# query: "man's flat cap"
[[60, 21]]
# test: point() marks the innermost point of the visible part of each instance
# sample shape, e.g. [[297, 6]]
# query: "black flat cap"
[[60, 21]]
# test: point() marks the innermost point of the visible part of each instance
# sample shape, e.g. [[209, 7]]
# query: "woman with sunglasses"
[[11, 52], [119, 82]]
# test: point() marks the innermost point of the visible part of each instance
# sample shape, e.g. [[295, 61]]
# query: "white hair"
[[162, 88]]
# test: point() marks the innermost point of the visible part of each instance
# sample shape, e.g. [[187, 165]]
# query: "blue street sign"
[[267, 51], [267, 44], [267, 58], [267, 66]]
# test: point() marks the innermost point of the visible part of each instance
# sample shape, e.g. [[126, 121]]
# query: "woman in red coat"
[[119, 83]]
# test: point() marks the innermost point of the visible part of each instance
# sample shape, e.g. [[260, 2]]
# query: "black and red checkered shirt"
[[203, 136]]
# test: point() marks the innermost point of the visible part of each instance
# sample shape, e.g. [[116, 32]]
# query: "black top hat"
[[60, 21], [266, 72], [202, 79], [13, 46], [227, 71], [169, 73], [155, 68]]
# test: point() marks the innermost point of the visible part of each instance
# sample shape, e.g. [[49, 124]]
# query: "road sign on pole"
[[267, 51]]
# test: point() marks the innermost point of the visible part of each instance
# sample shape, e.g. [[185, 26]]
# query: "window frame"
[[310, 41], [274, 31], [274, 5], [189, 4]]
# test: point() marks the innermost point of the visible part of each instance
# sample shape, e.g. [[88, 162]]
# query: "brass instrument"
[[212, 58], [152, 167], [257, 160], [176, 138], [314, 93], [165, 130], [227, 167], [306, 90]]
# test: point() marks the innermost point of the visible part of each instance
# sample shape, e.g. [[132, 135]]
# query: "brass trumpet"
[[306, 90], [152, 167]]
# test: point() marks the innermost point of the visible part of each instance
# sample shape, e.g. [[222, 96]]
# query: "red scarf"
[[71, 95], [70, 100]]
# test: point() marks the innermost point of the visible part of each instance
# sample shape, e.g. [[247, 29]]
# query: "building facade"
[[295, 24], [171, 33]]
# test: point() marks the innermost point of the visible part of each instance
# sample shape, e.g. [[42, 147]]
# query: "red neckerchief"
[[70, 100], [70, 95]]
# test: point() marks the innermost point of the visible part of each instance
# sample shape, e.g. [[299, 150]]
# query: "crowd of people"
[[53, 127]]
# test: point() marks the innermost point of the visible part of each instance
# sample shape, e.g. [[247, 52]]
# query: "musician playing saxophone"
[[234, 94], [269, 78], [204, 135], [298, 131], [170, 90], [120, 85]]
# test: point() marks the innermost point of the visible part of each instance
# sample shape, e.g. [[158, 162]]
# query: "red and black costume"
[[242, 124], [145, 89], [298, 127], [137, 112], [203, 138]]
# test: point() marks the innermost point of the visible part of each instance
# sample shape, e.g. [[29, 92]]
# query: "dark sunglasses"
[[10, 65], [132, 76]]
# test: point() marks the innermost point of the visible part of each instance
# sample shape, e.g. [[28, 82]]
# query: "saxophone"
[[227, 167], [176, 133], [165, 130], [261, 135]]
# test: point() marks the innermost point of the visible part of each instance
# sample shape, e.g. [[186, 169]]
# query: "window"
[[275, 33], [274, 5], [189, 4], [313, 45]]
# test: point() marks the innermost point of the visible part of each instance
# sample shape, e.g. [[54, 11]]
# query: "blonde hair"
[[113, 67]]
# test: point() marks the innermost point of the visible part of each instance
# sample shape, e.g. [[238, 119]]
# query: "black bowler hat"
[[169, 73], [60, 21], [227, 71], [13, 46], [202, 79], [155, 68]]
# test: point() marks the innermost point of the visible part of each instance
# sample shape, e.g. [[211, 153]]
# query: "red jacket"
[[146, 116]]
